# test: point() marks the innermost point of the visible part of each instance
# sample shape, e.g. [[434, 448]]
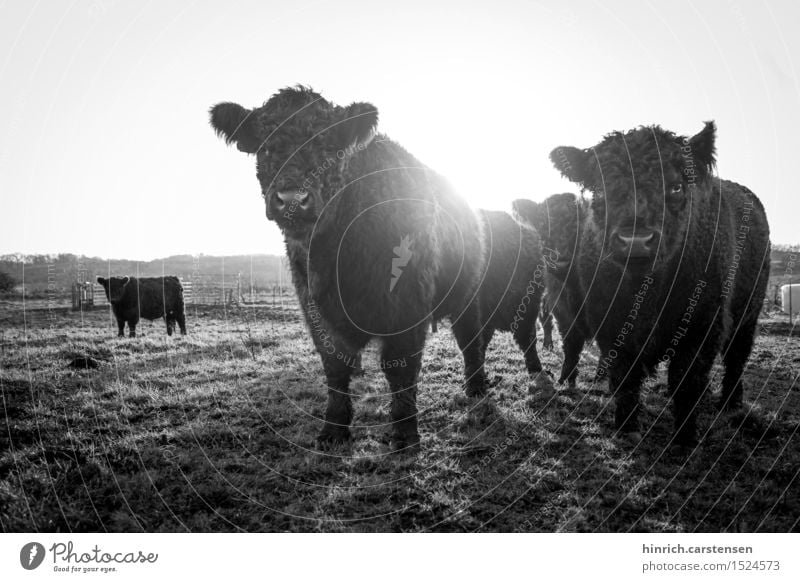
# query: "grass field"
[[215, 432]]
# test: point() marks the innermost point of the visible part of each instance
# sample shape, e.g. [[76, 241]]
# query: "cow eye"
[[676, 188]]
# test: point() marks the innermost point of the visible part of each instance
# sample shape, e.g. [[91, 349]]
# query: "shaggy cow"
[[557, 219], [378, 244], [674, 263], [512, 287], [147, 297]]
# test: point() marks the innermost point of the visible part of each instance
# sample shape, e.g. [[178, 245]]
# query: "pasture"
[[215, 432]]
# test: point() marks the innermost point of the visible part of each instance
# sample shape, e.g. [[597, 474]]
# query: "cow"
[[558, 219], [512, 285], [674, 263], [147, 297], [379, 245]]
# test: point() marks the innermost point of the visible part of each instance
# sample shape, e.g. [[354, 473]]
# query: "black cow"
[[379, 245], [674, 263], [149, 297], [512, 286], [558, 219]]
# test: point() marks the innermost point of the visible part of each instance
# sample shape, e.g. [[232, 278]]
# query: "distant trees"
[[785, 248], [7, 282]]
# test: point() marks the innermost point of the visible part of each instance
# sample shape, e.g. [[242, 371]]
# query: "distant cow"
[[674, 263], [147, 297], [558, 219], [512, 287], [379, 245]]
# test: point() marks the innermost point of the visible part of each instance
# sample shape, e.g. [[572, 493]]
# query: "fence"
[[194, 293], [790, 299]]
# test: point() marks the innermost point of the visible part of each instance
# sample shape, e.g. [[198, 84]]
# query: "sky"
[[105, 147]]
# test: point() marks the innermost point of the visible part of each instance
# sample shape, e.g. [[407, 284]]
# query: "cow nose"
[[636, 244], [290, 201]]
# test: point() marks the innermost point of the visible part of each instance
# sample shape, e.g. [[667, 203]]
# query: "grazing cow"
[[558, 219], [147, 297], [379, 245], [512, 286], [674, 263]]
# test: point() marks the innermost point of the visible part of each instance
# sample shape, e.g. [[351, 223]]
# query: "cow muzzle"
[[289, 205], [635, 243]]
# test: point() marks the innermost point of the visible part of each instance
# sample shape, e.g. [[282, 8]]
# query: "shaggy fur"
[[147, 297], [557, 219], [512, 287], [674, 263], [378, 244]]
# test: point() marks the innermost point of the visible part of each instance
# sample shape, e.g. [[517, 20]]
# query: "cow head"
[[557, 220], [114, 287], [643, 183], [302, 144]]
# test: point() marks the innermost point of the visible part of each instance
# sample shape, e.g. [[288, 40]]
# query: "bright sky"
[[105, 147]]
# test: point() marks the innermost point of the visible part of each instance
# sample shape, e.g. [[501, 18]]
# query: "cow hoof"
[[570, 381], [405, 444], [542, 384], [476, 389], [331, 438]]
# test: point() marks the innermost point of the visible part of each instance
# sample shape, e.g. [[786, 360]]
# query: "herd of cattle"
[[657, 260]]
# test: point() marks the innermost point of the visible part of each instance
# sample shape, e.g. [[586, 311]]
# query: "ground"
[[215, 432]]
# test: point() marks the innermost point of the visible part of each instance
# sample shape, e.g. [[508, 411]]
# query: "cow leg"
[[688, 378], [181, 317], [338, 360], [170, 325], [467, 329], [339, 409], [132, 327], [573, 342], [486, 339], [525, 336], [405, 353], [358, 367], [625, 381], [121, 327], [546, 317], [737, 352]]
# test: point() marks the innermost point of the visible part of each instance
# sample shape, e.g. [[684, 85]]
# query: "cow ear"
[[359, 124], [102, 281], [571, 162], [703, 146], [530, 212], [237, 125]]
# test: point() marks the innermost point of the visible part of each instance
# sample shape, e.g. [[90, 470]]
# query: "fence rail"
[[88, 294]]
